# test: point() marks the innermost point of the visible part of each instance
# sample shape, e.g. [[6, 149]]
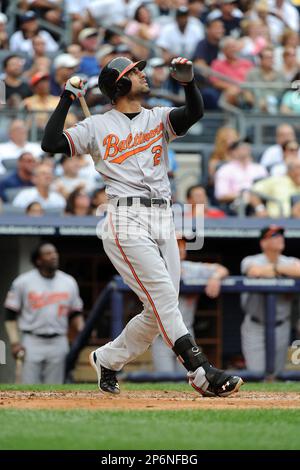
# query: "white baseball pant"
[[141, 243]]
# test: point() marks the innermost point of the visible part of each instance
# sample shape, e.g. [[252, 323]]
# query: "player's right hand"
[[182, 70], [18, 351], [79, 90]]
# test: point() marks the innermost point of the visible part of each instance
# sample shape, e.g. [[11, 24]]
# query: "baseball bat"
[[75, 81]]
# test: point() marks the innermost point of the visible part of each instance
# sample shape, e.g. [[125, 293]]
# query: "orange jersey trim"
[[119, 160], [140, 283]]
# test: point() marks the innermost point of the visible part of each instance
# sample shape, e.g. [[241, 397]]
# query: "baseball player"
[[129, 148], [270, 263], [213, 273], [40, 304]]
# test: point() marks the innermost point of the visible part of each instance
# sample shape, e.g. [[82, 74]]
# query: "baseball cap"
[[28, 16], [104, 50], [3, 18], [65, 60], [87, 33], [37, 77], [182, 11], [271, 231], [156, 62]]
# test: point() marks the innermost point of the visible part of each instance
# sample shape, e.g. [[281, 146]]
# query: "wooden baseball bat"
[[75, 81]]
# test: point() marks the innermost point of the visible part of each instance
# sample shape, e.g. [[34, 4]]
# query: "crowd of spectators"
[[235, 46]]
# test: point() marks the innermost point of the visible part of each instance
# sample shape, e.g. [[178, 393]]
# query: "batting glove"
[[77, 91], [18, 351], [182, 70]]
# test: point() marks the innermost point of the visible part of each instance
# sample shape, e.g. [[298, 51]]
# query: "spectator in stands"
[[78, 203], [208, 49], [107, 12], [41, 305], [39, 60], [34, 209], [75, 50], [49, 10], [289, 38], [225, 137], [234, 68], [274, 154], [41, 100], [18, 143], [16, 88], [290, 64], [42, 179], [277, 192], [65, 66], [21, 40], [181, 36], [265, 99], [231, 17], [290, 154], [78, 14], [99, 202], [206, 52], [290, 103], [196, 196], [237, 175], [270, 263], [282, 15], [20, 178], [254, 39], [89, 41], [70, 179], [3, 32], [142, 27], [212, 274]]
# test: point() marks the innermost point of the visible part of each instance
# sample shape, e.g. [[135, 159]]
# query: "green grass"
[[80, 429], [179, 429], [261, 386]]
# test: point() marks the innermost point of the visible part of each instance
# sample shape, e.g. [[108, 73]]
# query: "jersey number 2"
[[157, 151]]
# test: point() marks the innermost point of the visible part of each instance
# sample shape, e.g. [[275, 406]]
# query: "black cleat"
[[217, 384], [107, 380]]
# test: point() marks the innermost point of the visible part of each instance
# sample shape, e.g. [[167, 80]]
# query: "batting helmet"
[[112, 81]]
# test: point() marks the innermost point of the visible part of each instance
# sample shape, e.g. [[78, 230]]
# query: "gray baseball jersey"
[[44, 304], [130, 154], [253, 304]]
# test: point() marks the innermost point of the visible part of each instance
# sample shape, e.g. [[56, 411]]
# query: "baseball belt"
[[144, 201]]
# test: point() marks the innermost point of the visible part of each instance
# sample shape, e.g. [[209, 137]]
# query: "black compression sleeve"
[[184, 117], [53, 140], [10, 315]]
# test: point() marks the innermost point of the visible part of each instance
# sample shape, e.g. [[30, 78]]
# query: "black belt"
[[53, 335], [257, 320], [144, 201]]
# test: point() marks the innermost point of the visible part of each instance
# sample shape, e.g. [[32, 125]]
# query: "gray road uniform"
[[44, 305], [253, 329], [163, 358], [132, 157]]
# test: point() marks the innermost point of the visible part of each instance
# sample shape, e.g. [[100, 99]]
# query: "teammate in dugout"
[[129, 147], [43, 303]]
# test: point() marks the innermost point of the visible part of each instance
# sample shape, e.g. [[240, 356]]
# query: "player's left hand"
[[182, 70]]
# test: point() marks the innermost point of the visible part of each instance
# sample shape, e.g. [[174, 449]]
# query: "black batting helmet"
[[112, 81]]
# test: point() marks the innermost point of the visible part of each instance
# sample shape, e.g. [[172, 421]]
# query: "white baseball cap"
[[3, 18], [65, 60]]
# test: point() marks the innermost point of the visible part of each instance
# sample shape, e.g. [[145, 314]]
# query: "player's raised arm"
[[53, 140], [184, 117]]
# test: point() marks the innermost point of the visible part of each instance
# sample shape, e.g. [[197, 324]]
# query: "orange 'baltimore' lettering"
[[37, 300], [114, 145]]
